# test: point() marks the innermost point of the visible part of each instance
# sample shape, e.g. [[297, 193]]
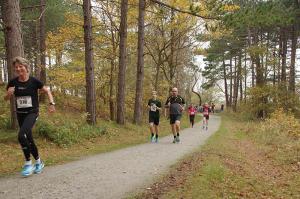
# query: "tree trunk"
[[1, 71], [267, 58], [236, 84], [172, 52], [230, 85], [225, 83], [251, 58], [43, 46], [279, 59], [240, 78], [283, 56], [245, 79], [111, 78], [10, 10], [252, 74], [122, 63], [111, 91], [274, 65], [5, 70], [43, 41], [293, 59], [137, 118], [113, 33], [259, 69], [37, 54], [89, 64]]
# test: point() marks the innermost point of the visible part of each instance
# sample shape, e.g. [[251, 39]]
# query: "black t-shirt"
[[26, 94], [176, 103], [153, 107]]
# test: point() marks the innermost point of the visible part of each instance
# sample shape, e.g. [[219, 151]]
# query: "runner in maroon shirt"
[[192, 112], [206, 110]]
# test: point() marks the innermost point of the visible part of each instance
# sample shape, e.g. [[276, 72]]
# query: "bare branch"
[[182, 11], [198, 94]]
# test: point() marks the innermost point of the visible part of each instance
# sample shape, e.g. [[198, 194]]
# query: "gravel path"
[[115, 174]]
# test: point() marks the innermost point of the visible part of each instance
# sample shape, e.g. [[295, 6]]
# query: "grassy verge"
[[234, 163], [64, 137]]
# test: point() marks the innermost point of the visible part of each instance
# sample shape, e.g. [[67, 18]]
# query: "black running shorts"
[[154, 119], [174, 118]]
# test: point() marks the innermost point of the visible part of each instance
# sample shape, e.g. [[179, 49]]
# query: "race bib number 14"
[[24, 102]]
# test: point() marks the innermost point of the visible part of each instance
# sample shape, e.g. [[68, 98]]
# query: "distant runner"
[[205, 112], [25, 89], [192, 112], [154, 106], [222, 107], [212, 107], [175, 103]]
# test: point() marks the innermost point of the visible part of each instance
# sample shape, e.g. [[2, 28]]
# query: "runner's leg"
[[151, 127], [177, 126], [26, 122], [156, 132]]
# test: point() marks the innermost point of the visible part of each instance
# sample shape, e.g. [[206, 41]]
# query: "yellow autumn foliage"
[[230, 8], [282, 122]]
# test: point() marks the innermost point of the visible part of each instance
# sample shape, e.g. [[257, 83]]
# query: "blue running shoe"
[[39, 167], [27, 170]]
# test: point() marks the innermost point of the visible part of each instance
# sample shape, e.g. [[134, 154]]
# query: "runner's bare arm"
[[50, 97], [9, 93]]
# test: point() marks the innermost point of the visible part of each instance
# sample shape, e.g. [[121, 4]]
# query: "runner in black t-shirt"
[[25, 89], [175, 103], [154, 106]]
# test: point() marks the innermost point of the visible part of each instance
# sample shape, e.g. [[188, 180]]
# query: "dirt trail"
[[115, 174]]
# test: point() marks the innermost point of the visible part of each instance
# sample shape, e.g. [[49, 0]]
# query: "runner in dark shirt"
[[222, 107], [212, 107], [175, 103], [154, 106], [25, 89]]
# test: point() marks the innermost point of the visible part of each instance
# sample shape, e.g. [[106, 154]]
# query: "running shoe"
[[177, 139], [174, 141], [27, 170], [152, 139], [156, 140], [39, 167]]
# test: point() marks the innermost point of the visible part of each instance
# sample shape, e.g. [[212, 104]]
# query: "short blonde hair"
[[22, 61]]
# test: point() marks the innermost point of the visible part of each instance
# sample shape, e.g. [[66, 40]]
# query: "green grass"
[[234, 165]]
